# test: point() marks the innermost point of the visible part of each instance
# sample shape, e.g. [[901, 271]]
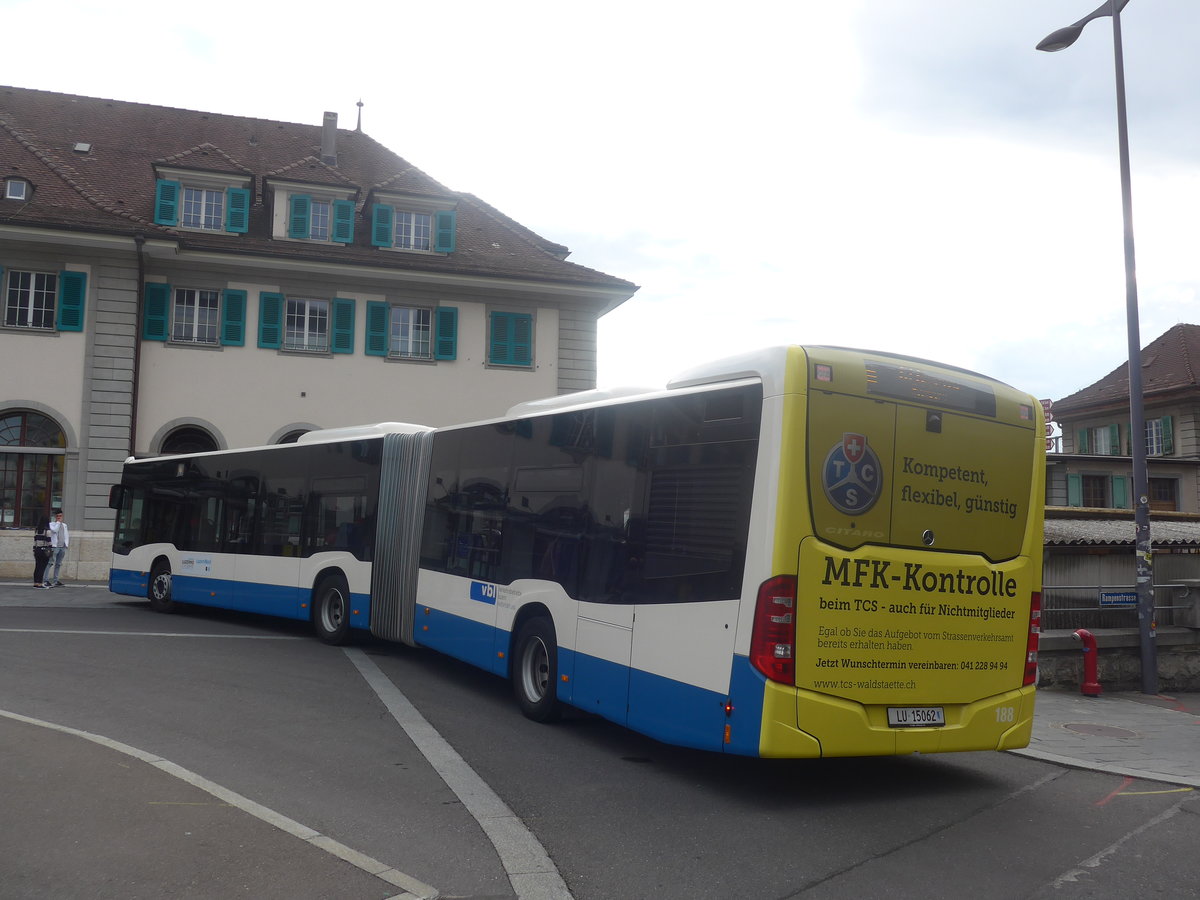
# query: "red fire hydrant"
[[1091, 684]]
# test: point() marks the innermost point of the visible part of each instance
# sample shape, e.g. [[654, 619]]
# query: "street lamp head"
[[1061, 39]]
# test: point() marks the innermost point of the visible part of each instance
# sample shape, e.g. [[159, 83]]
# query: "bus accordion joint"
[[774, 635], [1035, 630]]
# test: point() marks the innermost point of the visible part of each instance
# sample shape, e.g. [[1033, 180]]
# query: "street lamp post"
[[1060, 40]]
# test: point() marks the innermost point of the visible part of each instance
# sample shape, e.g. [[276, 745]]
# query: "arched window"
[[31, 467], [188, 440], [291, 437]]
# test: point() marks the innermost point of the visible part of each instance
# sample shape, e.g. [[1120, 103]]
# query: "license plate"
[[915, 716]]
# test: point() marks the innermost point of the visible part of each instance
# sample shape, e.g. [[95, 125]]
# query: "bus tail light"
[[1035, 630], [773, 641]]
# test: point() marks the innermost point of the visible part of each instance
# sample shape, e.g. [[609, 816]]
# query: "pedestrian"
[[41, 552], [60, 539]]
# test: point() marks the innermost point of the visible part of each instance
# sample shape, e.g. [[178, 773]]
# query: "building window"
[[1102, 441], [409, 229], [30, 299], [203, 209], [208, 206], [511, 339], [320, 219], [410, 334], [1164, 494], [1095, 491], [16, 189], [307, 326], [31, 477], [319, 229], [1159, 437], [188, 439], [195, 316], [412, 230]]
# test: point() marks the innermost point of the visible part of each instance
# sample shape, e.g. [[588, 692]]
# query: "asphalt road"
[[424, 767]]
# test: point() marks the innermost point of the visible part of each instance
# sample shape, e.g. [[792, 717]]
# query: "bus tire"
[[331, 610], [535, 670], [159, 589]]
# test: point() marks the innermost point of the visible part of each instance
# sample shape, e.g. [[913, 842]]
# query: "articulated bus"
[[801, 552]]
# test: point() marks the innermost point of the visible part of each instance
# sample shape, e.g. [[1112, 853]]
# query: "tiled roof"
[[1170, 363], [1119, 532], [109, 188]]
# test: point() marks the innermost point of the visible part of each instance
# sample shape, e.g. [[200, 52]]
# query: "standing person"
[[41, 552], [60, 539]]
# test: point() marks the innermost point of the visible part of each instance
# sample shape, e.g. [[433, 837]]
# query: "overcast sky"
[[906, 175]]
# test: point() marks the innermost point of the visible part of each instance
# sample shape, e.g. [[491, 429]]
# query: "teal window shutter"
[[1168, 436], [72, 297], [446, 340], [343, 221], [378, 319], [1114, 440], [299, 211], [1120, 492], [1082, 441], [166, 202], [270, 320], [233, 318], [512, 339], [237, 210], [156, 312], [381, 225], [1074, 490], [343, 326], [444, 229]]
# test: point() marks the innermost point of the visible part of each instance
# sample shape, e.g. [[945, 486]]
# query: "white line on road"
[[180, 634], [414, 889], [530, 870]]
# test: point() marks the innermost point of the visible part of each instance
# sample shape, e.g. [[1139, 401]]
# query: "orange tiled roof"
[[109, 188]]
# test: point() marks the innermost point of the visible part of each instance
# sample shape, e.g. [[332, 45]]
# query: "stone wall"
[[88, 557]]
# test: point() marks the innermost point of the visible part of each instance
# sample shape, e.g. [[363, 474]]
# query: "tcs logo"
[[851, 476]]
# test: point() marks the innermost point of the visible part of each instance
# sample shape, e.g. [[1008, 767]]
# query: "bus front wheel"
[[331, 610], [535, 671], [160, 588]]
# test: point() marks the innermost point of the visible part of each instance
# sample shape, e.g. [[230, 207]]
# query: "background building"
[[1089, 575], [177, 280]]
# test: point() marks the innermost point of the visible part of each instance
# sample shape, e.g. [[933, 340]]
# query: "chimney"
[[329, 139]]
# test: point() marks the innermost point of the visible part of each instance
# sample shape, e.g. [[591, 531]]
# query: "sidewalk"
[[1132, 734]]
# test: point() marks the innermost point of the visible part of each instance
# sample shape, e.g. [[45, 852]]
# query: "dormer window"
[[202, 201], [310, 212], [316, 218], [203, 209], [16, 189], [413, 223]]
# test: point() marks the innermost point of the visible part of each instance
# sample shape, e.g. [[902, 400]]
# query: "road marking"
[[530, 870], [413, 889], [180, 634], [1094, 862]]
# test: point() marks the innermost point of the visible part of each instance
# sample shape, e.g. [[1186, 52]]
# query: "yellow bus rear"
[[908, 547]]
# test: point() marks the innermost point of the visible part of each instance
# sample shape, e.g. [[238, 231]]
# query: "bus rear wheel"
[[535, 670], [159, 591], [331, 610]]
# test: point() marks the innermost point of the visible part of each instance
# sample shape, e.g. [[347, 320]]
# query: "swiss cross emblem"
[[854, 446]]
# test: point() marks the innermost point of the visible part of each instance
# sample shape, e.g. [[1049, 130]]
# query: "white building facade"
[[176, 280]]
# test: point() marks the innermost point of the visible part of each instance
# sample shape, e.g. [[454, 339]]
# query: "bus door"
[[603, 647]]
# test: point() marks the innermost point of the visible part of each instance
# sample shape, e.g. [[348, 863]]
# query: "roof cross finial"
[[358, 128]]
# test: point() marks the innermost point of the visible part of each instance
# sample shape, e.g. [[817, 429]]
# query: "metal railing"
[[1059, 611]]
